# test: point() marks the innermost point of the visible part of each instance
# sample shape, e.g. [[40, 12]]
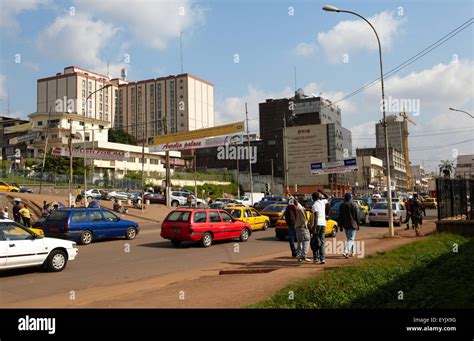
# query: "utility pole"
[[249, 151], [143, 168], [273, 182], [285, 156], [195, 174], [167, 160], [85, 162], [70, 163], [45, 150], [238, 179]]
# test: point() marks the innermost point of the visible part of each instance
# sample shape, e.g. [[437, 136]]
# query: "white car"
[[118, 195], [379, 213], [94, 194], [180, 198], [20, 247]]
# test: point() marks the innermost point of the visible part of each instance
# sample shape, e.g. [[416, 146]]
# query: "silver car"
[[379, 213]]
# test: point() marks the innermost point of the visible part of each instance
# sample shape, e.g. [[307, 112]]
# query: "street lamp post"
[[86, 111], [387, 153], [452, 109]]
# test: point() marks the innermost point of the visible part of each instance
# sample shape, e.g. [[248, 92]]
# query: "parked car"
[[4, 187], [274, 212], [368, 201], [22, 189], [250, 216], [430, 203], [267, 201], [334, 212], [226, 201], [281, 228], [94, 194], [118, 195], [217, 205], [362, 204], [20, 247], [203, 225], [87, 224], [379, 213], [155, 198], [180, 198]]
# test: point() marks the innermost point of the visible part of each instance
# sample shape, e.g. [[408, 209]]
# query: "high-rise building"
[[395, 131], [184, 102], [465, 166]]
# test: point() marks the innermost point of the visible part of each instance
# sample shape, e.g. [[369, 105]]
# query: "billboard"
[[227, 129], [336, 167], [199, 143], [95, 154]]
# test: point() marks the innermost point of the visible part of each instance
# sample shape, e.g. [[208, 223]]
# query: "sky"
[[250, 50]]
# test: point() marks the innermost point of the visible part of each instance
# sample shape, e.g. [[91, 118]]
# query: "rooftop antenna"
[[295, 79], [181, 49]]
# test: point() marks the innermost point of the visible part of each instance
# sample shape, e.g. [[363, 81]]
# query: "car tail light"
[[67, 227]]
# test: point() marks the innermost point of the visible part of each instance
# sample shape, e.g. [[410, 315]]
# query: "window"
[[40, 123], [200, 217], [236, 213], [90, 86], [178, 216], [79, 217], [95, 216], [81, 123], [226, 217], [14, 232], [108, 216], [214, 217], [255, 213]]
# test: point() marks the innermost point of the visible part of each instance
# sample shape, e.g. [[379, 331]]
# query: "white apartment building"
[[182, 103], [419, 177], [370, 176]]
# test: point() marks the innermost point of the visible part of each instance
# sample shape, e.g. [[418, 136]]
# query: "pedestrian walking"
[[290, 218], [26, 215], [318, 225], [417, 214], [349, 221], [16, 211], [302, 233], [409, 209]]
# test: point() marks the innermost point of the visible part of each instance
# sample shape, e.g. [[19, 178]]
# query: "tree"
[[60, 164], [106, 178], [120, 136], [446, 168]]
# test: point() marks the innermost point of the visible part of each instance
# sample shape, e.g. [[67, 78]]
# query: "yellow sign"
[[225, 129]]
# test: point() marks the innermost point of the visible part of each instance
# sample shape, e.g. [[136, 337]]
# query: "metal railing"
[[455, 198]]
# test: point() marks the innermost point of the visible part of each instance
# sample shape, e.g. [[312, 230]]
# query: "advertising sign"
[[199, 143], [226, 129], [336, 167], [96, 154]]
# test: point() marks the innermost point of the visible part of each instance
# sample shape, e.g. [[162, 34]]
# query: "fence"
[[455, 198]]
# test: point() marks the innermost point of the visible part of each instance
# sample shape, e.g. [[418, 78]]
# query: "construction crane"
[[406, 119]]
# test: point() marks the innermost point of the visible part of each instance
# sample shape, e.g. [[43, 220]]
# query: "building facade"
[[420, 179], [397, 164], [370, 176], [464, 166], [395, 131]]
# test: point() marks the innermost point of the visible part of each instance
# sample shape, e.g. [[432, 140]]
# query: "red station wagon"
[[203, 225]]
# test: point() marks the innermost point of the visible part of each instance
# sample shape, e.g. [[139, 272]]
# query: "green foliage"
[[133, 175], [208, 176], [60, 165], [106, 178], [120, 136], [217, 190], [428, 272]]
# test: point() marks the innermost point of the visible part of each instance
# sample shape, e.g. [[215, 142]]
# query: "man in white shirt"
[[318, 225]]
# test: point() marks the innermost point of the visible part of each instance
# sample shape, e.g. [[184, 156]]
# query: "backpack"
[[417, 210]]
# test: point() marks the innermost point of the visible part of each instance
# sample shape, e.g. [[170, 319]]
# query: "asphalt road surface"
[[119, 261]]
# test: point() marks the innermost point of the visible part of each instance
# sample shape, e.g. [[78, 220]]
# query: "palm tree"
[[446, 167]]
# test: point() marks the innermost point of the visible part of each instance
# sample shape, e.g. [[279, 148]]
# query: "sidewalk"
[[225, 285], [152, 213]]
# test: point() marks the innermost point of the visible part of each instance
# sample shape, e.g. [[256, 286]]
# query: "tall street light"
[[387, 153], [86, 112], [462, 111]]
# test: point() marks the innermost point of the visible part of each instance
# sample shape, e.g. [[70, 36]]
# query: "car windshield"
[[384, 206], [178, 216], [274, 208], [58, 216]]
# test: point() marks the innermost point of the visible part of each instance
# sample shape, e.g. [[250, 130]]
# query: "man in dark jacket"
[[290, 217], [349, 221], [16, 211]]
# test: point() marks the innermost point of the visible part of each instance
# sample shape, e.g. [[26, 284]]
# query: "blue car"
[[84, 225]]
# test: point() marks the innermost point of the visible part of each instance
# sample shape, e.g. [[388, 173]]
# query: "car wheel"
[[206, 240], [244, 236], [131, 233], [85, 238], [175, 203], [176, 242], [265, 226], [334, 231], [56, 261]]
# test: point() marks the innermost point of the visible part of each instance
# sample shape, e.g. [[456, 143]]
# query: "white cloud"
[[9, 9], [31, 66], [77, 39], [154, 23], [363, 135], [351, 36], [3, 86], [305, 49]]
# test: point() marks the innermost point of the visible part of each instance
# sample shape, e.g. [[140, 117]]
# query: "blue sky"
[[269, 42]]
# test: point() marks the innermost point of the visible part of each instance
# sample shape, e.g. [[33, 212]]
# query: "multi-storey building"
[[464, 166]]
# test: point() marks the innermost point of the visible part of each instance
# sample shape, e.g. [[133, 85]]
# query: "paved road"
[[119, 261]]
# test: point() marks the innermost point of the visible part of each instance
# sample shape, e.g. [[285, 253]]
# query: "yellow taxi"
[[430, 203], [281, 228], [250, 216], [274, 212], [363, 205], [4, 187]]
